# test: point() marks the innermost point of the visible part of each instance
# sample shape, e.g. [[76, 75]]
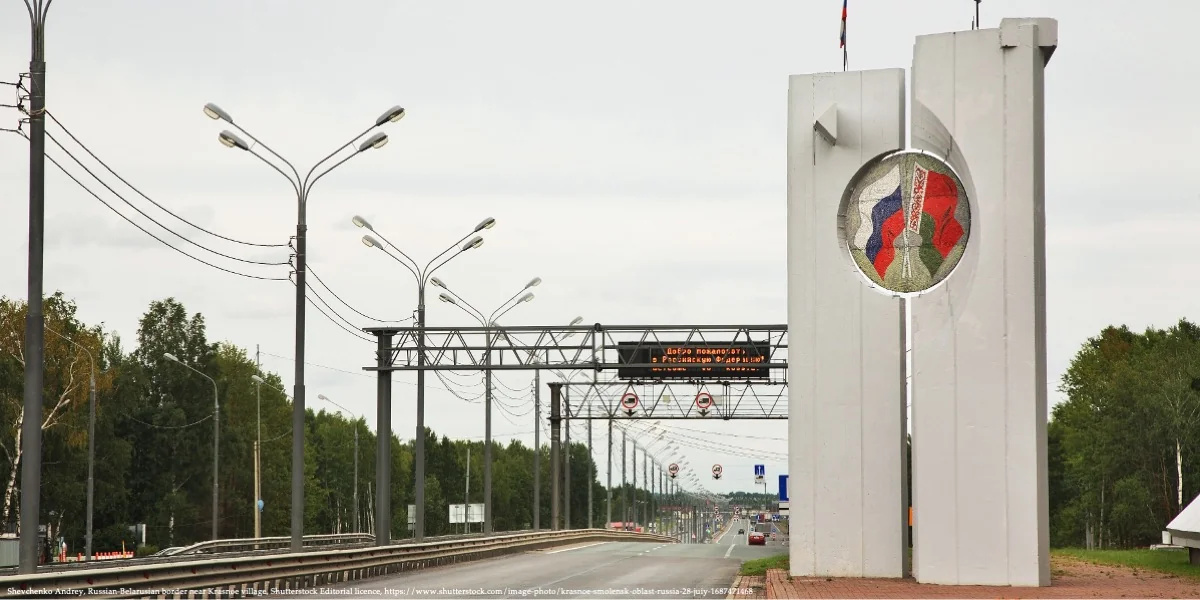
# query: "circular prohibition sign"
[[717, 470], [629, 401], [704, 401]]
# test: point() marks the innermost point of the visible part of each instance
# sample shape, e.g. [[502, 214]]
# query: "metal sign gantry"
[[723, 400], [597, 348]]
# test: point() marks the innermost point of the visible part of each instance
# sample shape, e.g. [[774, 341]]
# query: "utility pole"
[[646, 482], [467, 495], [35, 320], [537, 447], [609, 495], [567, 461], [258, 447], [624, 492]]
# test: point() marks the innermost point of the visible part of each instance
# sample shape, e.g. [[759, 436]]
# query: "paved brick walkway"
[[749, 587], [1070, 579]]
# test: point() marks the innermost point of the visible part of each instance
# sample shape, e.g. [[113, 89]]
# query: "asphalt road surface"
[[590, 570]]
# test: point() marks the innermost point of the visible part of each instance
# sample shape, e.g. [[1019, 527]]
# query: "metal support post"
[[633, 476], [624, 490], [591, 475], [383, 448], [487, 437], [555, 479]]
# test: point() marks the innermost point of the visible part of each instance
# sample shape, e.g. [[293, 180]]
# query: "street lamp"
[[91, 440], [258, 453], [302, 187], [422, 275], [216, 436], [345, 410], [488, 322], [537, 432]]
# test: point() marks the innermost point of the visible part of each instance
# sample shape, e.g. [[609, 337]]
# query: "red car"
[[757, 538]]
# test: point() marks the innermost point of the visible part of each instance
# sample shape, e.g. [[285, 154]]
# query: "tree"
[[67, 368]]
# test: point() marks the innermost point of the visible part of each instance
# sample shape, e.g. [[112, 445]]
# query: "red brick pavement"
[[1071, 579], [749, 587]]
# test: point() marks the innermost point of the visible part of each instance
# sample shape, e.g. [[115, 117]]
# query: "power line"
[[339, 299], [135, 419], [148, 199], [143, 229], [331, 319], [152, 219]]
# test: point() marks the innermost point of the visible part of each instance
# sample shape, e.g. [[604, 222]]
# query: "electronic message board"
[[694, 360]]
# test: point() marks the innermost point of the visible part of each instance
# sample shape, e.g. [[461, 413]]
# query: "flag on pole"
[[842, 43]]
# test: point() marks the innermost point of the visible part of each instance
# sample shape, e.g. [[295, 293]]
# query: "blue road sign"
[[760, 470], [783, 488]]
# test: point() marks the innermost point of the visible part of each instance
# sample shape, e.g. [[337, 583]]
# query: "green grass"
[[1174, 562], [759, 566]]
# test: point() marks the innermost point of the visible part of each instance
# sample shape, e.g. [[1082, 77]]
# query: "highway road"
[[589, 570]]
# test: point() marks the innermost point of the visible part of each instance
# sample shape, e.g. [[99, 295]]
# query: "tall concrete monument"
[[954, 224]]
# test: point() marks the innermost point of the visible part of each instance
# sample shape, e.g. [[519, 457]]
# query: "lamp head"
[[377, 140], [257, 379], [322, 397], [575, 321], [446, 298], [214, 112], [361, 222], [438, 282], [391, 115], [231, 140], [370, 242], [526, 298], [487, 223], [536, 281], [170, 357], [474, 242]]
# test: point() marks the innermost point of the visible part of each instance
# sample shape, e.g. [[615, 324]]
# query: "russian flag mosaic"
[[905, 220]]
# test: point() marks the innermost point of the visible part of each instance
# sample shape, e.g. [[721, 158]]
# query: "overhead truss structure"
[[675, 400], [599, 348]]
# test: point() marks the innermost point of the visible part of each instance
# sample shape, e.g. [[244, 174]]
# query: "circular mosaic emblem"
[[905, 220]]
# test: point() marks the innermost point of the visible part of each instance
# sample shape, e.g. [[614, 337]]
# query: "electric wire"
[[352, 328], [137, 420], [331, 319], [313, 272], [152, 219], [147, 198], [143, 230]]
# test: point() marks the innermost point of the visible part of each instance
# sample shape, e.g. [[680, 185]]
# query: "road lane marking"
[[575, 548], [730, 550]]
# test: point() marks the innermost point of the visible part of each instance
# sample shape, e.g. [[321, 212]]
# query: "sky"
[[633, 155]]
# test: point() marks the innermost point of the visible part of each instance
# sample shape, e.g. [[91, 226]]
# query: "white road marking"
[[730, 550], [575, 548]]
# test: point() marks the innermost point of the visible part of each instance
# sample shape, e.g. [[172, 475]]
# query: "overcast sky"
[[633, 155]]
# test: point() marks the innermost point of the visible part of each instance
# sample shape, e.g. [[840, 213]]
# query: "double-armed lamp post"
[[520, 297], [423, 275], [302, 187]]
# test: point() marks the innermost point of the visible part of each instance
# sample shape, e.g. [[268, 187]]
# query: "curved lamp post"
[[216, 437], [423, 275], [489, 322], [302, 187]]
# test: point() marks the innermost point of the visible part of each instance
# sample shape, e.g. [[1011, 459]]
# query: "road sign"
[[629, 402], [717, 470], [760, 472], [673, 469], [704, 401], [783, 489]]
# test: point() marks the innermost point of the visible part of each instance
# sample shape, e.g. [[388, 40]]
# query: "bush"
[[146, 550]]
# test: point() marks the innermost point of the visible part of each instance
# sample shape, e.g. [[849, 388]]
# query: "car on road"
[[757, 539], [741, 532]]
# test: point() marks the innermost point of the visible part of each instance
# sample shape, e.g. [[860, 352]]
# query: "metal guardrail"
[[261, 573]]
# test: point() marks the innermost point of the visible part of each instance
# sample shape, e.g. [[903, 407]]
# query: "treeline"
[[1124, 448], [154, 443]]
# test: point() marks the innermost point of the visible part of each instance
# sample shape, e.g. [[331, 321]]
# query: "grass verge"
[[1174, 562], [759, 566]]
